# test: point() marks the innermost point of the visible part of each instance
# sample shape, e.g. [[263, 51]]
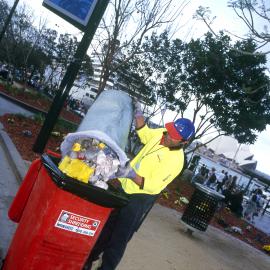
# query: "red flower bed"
[[16, 126]]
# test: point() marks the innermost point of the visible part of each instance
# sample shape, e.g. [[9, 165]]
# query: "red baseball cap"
[[181, 129], [174, 134]]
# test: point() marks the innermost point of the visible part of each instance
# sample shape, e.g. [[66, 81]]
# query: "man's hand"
[[128, 172], [124, 172]]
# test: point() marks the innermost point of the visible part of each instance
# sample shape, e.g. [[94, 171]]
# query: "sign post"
[[96, 9]]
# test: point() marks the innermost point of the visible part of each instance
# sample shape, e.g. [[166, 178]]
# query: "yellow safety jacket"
[[157, 164]]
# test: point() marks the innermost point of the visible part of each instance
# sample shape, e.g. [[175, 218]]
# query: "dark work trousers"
[[119, 229], [219, 186]]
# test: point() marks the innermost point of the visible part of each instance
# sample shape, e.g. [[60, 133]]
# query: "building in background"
[[87, 92], [227, 151]]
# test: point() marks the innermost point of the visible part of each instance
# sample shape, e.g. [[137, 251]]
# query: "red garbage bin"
[[60, 222]]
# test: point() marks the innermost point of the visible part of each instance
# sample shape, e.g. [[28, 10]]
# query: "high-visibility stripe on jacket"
[[157, 164]]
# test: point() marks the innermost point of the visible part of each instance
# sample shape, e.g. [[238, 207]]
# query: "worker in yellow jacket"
[[152, 169]]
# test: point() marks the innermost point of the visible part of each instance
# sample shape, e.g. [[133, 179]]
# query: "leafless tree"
[[253, 13], [124, 26]]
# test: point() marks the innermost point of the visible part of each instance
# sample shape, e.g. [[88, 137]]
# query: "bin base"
[[189, 228]]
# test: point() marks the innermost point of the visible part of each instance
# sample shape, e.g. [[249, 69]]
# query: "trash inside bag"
[[111, 114], [90, 161], [97, 149]]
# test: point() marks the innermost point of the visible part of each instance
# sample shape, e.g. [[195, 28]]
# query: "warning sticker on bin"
[[76, 223]]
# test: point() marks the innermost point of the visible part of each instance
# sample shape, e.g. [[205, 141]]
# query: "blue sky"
[[225, 19]]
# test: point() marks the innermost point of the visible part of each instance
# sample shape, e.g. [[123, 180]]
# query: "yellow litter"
[[76, 147], [101, 145], [76, 168]]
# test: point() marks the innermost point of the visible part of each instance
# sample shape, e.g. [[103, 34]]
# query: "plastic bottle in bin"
[[74, 166], [90, 161]]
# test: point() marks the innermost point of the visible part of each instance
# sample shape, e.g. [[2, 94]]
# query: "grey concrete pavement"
[[9, 107], [163, 243], [11, 173], [9, 184]]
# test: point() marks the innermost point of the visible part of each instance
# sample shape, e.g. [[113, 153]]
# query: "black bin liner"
[[201, 208], [99, 196]]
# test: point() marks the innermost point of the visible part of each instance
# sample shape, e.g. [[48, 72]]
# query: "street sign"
[[76, 12]]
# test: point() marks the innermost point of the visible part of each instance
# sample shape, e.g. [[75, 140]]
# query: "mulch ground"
[[23, 132]]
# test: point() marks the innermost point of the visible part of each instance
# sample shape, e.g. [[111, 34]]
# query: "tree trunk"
[[8, 19]]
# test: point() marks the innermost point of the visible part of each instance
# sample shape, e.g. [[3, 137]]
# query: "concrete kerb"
[[13, 155]]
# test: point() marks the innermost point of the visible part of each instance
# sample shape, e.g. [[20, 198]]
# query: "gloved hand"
[[137, 109], [124, 172]]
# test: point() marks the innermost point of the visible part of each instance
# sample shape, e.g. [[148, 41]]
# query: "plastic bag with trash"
[[96, 150]]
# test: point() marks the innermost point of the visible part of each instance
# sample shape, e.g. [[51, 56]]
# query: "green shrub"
[[39, 118]]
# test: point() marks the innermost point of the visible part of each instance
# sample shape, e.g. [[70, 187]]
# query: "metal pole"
[[69, 78]]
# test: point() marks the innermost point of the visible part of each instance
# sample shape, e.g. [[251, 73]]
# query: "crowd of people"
[[226, 184]]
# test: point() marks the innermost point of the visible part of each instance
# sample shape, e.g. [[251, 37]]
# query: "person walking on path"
[[220, 177], [259, 202], [251, 208], [233, 182], [212, 178], [228, 182], [151, 170]]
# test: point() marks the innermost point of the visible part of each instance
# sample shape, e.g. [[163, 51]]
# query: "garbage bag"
[[108, 120]]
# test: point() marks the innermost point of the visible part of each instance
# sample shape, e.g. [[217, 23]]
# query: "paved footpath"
[[8, 187], [11, 173], [162, 243]]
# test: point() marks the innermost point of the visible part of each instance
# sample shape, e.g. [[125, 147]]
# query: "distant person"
[[259, 202], [233, 182], [212, 178], [227, 192], [228, 182], [194, 162], [236, 201], [207, 172], [199, 178], [203, 169], [251, 208], [225, 179], [220, 177]]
